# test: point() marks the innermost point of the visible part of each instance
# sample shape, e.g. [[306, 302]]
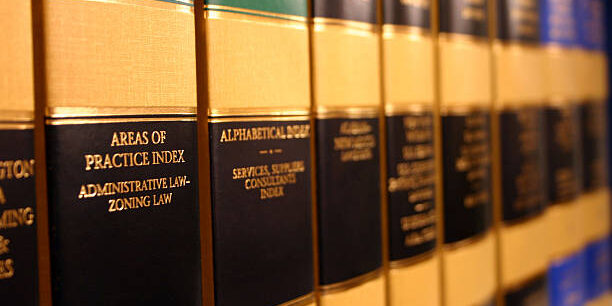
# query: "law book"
[[519, 156], [464, 78], [563, 123], [595, 204], [256, 104], [118, 91], [18, 218], [409, 103], [346, 102]]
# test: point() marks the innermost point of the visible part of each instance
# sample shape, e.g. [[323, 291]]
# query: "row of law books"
[[294, 152]]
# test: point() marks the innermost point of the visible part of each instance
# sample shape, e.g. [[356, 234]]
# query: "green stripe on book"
[[288, 7]]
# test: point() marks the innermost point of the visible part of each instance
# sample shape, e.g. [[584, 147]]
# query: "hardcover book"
[[595, 199], [519, 154], [120, 96], [563, 123], [18, 218], [410, 188], [346, 102], [256, 104], [468, 260]]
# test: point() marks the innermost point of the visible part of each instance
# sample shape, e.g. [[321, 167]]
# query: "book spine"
[[121, 153], [18, 216], [408, 92], [465, 102], [257, 108], [346, 101], [595, 200], [563, 123], [519, 154]]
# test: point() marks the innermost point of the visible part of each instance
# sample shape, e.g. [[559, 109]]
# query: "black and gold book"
[[519, 153], [464, 75], [18, 220], [257, 103], [346, 102], [595, 199], [563, 215], [119, 96], [409, 96]]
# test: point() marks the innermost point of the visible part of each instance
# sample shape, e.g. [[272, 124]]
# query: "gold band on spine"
[[350, 283], [219, 112], [468, 241], [406, 262], [416, 33], [520, 284], [464, 38], [463, 110], [300, 301], [255, 13], [181, 5], [16, 126], [346, 112], [408, 109], [76, 112], [263, 118], [16, 116], [321, 24], [274, 21], [115, 120]]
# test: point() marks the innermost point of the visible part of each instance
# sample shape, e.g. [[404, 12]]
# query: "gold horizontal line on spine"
[[245, 112], [463, 109], [10, 116], [516, 44], [468, 241], [523, 219], [351, 283], [16, 126], [260, 118], [354, 27], [75, 112], [406, 262], [411, 32], [519, 284], [408, 109], [209, 8], [463, 38], [178, 5], [508, 105], [347, 112], [78, 121], [300, 301]]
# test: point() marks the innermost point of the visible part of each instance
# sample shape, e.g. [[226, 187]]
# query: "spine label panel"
[[523, 162], [467, 175], [409, 13], [597, 268], [261, 182], [532, 293], [557, 22], [593, 120], [348, 195], [124, 194], [566, 280], [562, 124], [464, 17], [518, 20], [18, 256], [411, 179], [355, 10]]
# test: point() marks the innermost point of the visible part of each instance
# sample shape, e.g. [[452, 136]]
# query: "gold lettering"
[[16, 169], [6, 268], [2, 197], [12, 218]]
